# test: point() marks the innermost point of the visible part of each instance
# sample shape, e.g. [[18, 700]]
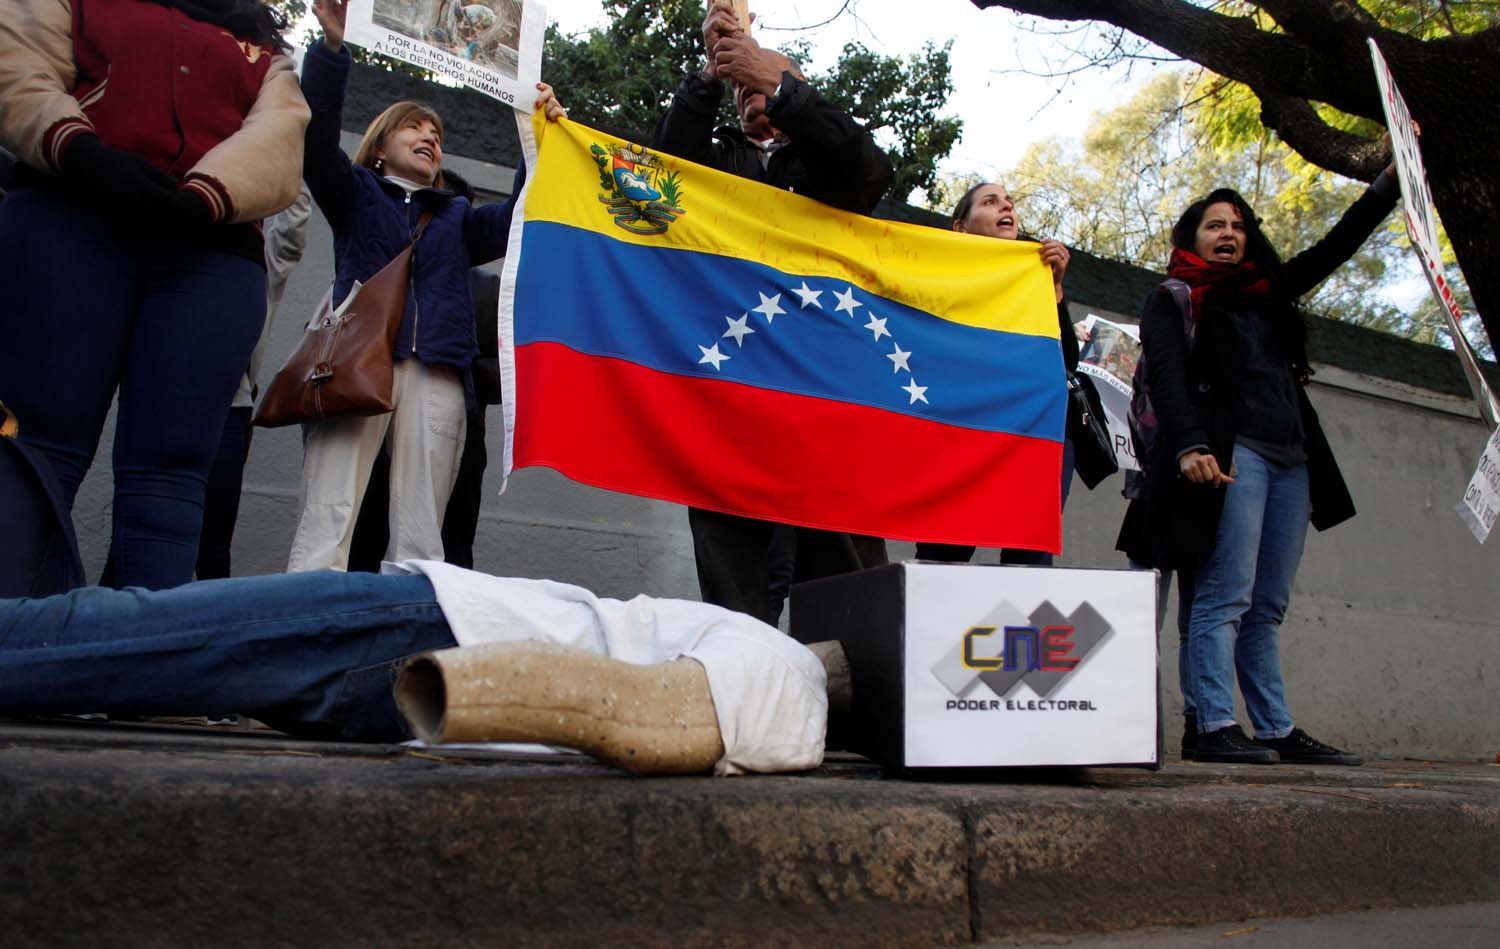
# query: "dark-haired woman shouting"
[[153, 137], [1239, 464]]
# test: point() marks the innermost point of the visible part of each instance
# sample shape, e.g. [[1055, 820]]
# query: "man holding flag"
[[789, 137]]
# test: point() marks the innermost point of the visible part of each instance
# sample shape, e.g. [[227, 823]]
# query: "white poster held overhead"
[[1108, 353], [1478, 508], [491, 46]]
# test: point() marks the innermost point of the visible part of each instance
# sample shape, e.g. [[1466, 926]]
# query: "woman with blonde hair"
[[375, 204]]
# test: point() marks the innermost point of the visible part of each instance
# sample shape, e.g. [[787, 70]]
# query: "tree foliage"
[[621, 77], [1117, 191], [899, 101], [1307, 65]]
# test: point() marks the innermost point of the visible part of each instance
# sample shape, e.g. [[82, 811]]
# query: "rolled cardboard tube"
[[657, 719]]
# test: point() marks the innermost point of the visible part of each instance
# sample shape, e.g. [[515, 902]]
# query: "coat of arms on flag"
[[642, 196]]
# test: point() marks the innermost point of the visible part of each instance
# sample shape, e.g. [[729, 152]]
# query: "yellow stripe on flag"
[[978, 281]]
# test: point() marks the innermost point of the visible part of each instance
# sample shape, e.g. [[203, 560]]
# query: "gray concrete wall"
[[1389, 646]]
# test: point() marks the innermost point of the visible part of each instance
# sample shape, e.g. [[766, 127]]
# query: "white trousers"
[[426, 438]]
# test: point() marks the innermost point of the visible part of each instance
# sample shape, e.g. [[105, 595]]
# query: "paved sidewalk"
[[202, 836]]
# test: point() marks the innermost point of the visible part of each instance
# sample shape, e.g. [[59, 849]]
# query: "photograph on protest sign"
[[491, 46], [1108, 353]]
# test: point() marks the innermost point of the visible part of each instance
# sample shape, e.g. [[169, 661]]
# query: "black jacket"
[[829, 157], [1197, 399]]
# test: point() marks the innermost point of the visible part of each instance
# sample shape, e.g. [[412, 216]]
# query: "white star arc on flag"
[[770, 307]]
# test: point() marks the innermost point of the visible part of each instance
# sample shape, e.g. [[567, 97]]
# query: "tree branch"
[[1310, 18], [1281, 63], [1300, 126]]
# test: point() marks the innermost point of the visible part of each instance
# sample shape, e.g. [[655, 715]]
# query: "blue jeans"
[[312, 654], [1242, 592], [86, 311]]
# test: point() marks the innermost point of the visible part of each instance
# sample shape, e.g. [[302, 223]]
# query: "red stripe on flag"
[[793, 458]]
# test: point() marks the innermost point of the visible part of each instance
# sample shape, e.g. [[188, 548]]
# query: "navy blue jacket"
[[373, 219]]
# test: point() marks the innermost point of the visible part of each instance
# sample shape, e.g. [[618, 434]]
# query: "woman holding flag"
[[1239, 463], [375, 204]]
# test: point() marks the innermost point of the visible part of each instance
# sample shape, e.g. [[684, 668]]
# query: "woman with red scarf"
[[1239, 464]]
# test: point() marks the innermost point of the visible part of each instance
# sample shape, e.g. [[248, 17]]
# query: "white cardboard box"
[[979, 666]]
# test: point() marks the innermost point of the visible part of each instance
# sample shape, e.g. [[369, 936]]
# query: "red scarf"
[[1204, 277]]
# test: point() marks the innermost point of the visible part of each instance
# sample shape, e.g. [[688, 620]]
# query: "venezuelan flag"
[[671, 331]]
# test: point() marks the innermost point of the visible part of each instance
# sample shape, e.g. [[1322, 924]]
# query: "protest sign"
[[1108, 354], [491, 46], [1421, 227], [1479, 504]]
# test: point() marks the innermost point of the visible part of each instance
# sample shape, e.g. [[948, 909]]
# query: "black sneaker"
[[1189, 736], [1301, 748], [1229, 745]]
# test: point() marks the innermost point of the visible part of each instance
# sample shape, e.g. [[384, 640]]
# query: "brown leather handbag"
[[343, 367]]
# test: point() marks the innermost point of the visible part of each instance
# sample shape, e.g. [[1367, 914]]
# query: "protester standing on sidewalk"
[[1240, 463], [461, 517], [153, 136], [374, 204]]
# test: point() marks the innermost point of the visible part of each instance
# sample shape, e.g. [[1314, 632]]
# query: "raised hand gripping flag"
[[671, 331]]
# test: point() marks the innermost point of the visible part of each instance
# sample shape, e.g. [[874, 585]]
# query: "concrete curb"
[[168, 837]]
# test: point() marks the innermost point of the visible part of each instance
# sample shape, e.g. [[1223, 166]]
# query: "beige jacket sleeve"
[[38, 114], [257, 171]]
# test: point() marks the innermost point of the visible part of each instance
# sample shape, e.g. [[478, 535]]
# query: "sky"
[[1003, 109]]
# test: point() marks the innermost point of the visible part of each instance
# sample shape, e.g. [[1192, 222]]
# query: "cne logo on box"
[[1049, 649], [1041, 648]]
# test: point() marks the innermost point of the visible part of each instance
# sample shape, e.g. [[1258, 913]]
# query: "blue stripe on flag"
[[687, 312]]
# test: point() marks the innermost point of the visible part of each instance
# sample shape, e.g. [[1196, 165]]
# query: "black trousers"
[[734, 558]]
